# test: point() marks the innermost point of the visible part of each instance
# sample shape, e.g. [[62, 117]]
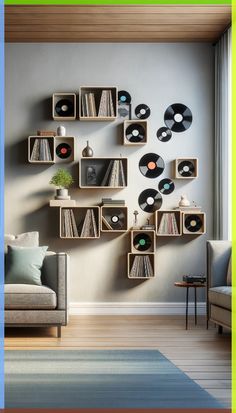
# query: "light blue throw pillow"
[[23, 265]]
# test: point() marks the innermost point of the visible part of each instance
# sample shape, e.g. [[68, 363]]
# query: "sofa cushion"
[[26, 239], [220, 296], [29, 297], [229, 272]]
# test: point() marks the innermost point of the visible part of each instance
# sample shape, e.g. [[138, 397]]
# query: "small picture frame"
[[124, 110], [91, 175]]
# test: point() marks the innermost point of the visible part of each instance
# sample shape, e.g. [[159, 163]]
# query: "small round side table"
[[187, 286]]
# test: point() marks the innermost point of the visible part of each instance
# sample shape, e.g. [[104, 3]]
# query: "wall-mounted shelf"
[[64, 106], [80, 222], [98, 103], [186, 168], [134, 132], [168, 223], [142, 241], [103, 173], [194, 223], [41, 149], [141, 266], [64, 149], [114, 219], [58, 203]]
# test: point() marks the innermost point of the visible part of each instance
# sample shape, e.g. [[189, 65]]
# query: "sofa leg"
[[220, 329], [59, 331]]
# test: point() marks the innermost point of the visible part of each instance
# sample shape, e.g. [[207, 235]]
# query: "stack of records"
[[168, 224], [89, 226], [114, 175], [88, 105], [69, 227], [142, 267], [106, 107], [41, 151]]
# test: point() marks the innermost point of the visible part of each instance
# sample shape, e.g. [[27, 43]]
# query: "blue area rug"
[[99, 379]]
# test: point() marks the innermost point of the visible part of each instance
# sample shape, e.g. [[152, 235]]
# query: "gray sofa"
[[46, 305], [219, 283]]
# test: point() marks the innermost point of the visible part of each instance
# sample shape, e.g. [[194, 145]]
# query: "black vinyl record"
[[150, 200], [193, 223], [178, 117], [142, 111], [164, 134], [142, 242], [64, 107], [186, 168], [115, 218], [124, 97], [166, 186], [63, 150], [135, 133], [151, 165]]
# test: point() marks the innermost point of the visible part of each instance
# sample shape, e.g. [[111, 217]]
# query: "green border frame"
[[184, 2]]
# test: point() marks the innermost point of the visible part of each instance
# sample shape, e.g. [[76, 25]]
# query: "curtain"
[[222, 138]]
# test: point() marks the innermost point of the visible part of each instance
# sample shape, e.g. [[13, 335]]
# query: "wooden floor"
[[202, 354]]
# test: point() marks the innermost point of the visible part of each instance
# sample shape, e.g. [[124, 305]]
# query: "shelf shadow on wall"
[[40, 110]]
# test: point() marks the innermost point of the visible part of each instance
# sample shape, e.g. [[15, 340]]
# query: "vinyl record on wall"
[[151, 165], [64, 107], [193, 223], [150, 200], [115, 218], [63, 150], [164, 134], [178, 117], [135, 133], [166, 186], [142, 242], [142, 111], [186, 168], [124, 97]]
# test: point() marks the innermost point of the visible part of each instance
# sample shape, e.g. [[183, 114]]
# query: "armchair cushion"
[[29, 297], [26, 239], [220, 296]]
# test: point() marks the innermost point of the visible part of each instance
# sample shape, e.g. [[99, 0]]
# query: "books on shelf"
[[46, 133], [141, 267], [113, 202], [89, 227], [190, 208], [69, 227], [41, 150], [106, 107], [168, 224], [114, 175]]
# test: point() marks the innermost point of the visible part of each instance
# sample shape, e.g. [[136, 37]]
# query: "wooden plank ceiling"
[[154, 23]]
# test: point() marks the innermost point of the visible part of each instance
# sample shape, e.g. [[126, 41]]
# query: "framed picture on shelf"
[[91, 175], [124, 110]]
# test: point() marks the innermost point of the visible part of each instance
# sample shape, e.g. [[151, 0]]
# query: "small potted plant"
[[62, 180]]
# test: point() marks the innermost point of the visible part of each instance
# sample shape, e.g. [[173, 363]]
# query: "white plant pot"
[[62, 193]]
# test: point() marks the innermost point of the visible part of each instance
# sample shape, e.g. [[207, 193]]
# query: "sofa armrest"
[[218, 255], [55, 275]]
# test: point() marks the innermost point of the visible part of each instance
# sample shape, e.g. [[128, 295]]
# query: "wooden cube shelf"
[[114, 218], [103, 173], [168, 223], [41, 149], [194, 223], [81, 223], [70, 140], [71, 98], [186, 168], [141, 266], [126, 124], [95, 104], [142, 241]]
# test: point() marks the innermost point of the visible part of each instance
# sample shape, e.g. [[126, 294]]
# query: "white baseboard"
[[127, 308]]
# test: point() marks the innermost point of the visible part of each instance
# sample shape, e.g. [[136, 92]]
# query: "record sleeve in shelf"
[[111, 173], [80, 222], [186, 168], [64, 106], [141, 266], [168, 223], [135, 132], [194, 223], [114, 218], [142, 241], [41, 149], [98, 103]]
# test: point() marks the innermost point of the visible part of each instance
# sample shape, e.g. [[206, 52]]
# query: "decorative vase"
[[87, 151], [184, 202], [61, 131], [62, 193]]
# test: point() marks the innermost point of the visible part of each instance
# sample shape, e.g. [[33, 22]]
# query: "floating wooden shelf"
[[177, 165], [130, 261], [67, 96], [126, 124], [51, 146], [58, 203], [79, 218], [169, 227], [142, 241], [193, 220], [92, 172], [70, 140], [114, 218], [97, 93]]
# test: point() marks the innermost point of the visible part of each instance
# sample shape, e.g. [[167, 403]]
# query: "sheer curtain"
[[222, 139]]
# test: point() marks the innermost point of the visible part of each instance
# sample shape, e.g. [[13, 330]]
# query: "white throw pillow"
[[26, 239]]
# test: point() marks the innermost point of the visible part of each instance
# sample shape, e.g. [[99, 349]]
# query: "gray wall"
[[156, 74]]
